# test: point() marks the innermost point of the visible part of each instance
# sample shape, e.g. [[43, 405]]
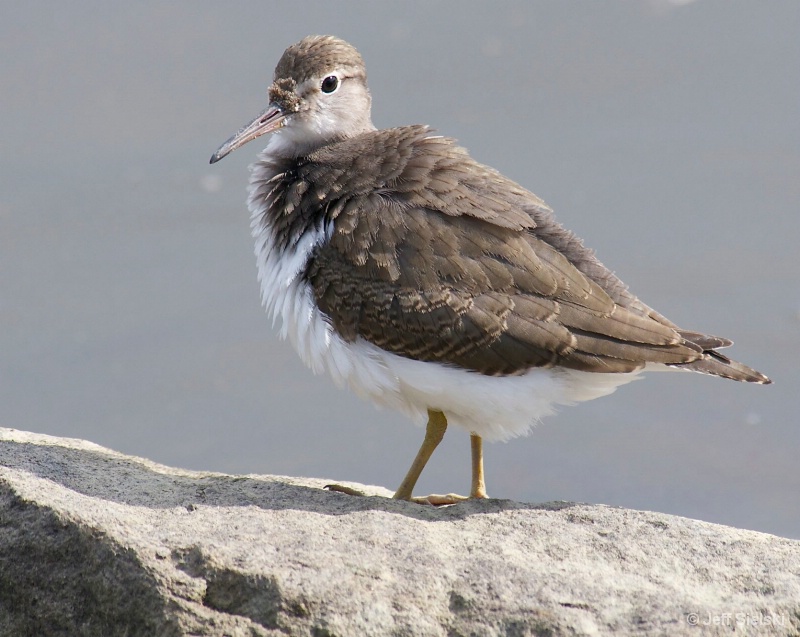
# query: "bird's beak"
[[268, 121]]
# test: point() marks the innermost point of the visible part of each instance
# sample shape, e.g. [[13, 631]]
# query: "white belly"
[[494, 407]]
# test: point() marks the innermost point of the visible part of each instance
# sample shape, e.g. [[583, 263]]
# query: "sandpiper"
[[431, 283]]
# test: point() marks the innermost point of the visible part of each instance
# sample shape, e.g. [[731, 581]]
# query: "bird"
[[428, 282]]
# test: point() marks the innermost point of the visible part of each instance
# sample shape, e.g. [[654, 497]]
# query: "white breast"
[[496, 408]]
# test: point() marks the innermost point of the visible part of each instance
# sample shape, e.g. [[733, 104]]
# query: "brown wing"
[[438, 258], [462, 291]]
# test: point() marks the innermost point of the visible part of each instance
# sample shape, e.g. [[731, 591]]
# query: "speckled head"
[[319, 94]]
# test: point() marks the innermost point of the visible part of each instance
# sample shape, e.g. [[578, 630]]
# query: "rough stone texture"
[[93, 542]]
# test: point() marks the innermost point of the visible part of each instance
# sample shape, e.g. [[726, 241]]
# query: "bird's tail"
[[716, 364]]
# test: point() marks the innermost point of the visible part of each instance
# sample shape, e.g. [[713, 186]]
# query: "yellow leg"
[[434, 432], [478, 489]]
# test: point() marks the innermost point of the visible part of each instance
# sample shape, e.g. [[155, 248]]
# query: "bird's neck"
[[292, 143]]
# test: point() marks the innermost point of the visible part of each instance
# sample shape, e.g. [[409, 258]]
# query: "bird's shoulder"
[[393, 186], [413, 167]]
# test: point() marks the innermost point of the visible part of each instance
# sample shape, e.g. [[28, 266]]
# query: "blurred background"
[[666, 134]]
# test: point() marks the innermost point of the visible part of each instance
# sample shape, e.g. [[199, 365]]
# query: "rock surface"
[[93, 542]]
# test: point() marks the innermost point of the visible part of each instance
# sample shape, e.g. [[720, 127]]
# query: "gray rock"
[[93, 542]]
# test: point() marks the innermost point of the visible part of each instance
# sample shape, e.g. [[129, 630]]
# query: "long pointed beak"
[[270, 120]]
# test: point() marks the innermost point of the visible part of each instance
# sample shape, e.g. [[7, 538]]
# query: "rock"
[[93, 542]]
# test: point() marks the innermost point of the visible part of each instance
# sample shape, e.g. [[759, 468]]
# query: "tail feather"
[[706, 341], [716, 364]]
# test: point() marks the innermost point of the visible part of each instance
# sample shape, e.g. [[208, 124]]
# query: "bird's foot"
[[340, 488], [438, 500], [434, 499]]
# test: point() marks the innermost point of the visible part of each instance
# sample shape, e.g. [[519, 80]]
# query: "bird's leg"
[[437, 425], [478, 489], [434, 432]]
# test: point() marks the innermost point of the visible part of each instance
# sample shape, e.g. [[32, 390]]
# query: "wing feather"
[[437, 258]]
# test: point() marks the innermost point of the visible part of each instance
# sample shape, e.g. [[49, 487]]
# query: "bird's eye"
[[330, 84]]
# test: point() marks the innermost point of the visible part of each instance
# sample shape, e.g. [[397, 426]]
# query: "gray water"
[[667, 135]]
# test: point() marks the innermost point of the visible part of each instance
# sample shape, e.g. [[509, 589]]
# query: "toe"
[[340, 488], [437, 500]]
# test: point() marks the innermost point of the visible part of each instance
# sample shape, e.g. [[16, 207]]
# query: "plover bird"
[[430, 283]]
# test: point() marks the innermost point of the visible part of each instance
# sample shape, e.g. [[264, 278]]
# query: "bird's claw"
[[340, 488]]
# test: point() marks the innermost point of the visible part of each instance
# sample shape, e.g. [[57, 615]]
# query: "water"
[[666, 135]]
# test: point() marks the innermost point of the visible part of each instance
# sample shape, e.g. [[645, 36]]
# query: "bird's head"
[[319, 94]]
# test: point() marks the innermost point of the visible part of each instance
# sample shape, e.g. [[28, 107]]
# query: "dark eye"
[[330, 84]]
